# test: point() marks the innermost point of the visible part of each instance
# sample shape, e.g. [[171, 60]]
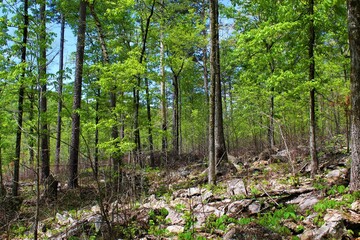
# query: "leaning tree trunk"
[[60, 103], [354, 40], [20, 108], [75, 126], [313, 153]]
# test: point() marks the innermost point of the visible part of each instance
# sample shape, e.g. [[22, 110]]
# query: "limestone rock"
[[305, 201], [175, 229], [235, 208], [254, 207], [333, 227], [236, 187]]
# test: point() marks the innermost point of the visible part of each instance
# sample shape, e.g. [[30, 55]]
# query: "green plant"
[[190, 220], [179, 207], [324, 204], [238, 197], [319, 220], [254, 191], [319, 183], [129, 231], [157, 219], [213, 223], [245, 221], [340, 189], [273, 220]]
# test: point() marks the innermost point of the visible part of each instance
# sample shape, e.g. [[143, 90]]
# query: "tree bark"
[[175, 127], [20, 108], [60, 103], [136, 90], [212, 99], [220, 147], [45, 141], [176, 114], [313, 152], [163, 96], [97, 120], [115, 157], [354, 40], [148, 112], [75, 126]]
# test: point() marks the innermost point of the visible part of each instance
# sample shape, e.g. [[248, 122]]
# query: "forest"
[[167, 119]]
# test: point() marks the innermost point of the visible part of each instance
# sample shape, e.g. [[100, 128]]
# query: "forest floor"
[[269, 196]]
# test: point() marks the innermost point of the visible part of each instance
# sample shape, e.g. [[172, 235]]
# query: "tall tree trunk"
[[175, 127], [220, 147], [45, 158], [60, 103], [271, 131], [148, 112], [136, 90], [2, 188], [20, 108], [213, 94], [313, 152], [115, 156], [176, 118], [163, 97], [75, 126], [354, 40], [97, 120], [32, 140]]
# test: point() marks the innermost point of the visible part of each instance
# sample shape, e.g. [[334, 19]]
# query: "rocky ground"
[[269, 196]]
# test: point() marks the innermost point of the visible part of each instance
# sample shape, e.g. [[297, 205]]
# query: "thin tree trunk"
[[2, 188], [45, 158], [32, 141], [136, 90], [175, 130], [60, 103], [354, 40], [15, 186], [115, 157], [75, 126], [313, 152], [212, 99], [163, 97], [148, 112], [97, 120]]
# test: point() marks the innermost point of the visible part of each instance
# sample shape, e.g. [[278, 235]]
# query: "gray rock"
[[236, 187], [332, 228], [175, 229], [355, 206], [202, 212], [254, 207], [235, 208], [174, 217], [305, 201], [64, 219]]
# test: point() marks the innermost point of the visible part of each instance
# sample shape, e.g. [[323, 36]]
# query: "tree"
[[217, 149], [75, 125], [313, 152], [354, 41], [60, 95], [20, 107], [45, 141]]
